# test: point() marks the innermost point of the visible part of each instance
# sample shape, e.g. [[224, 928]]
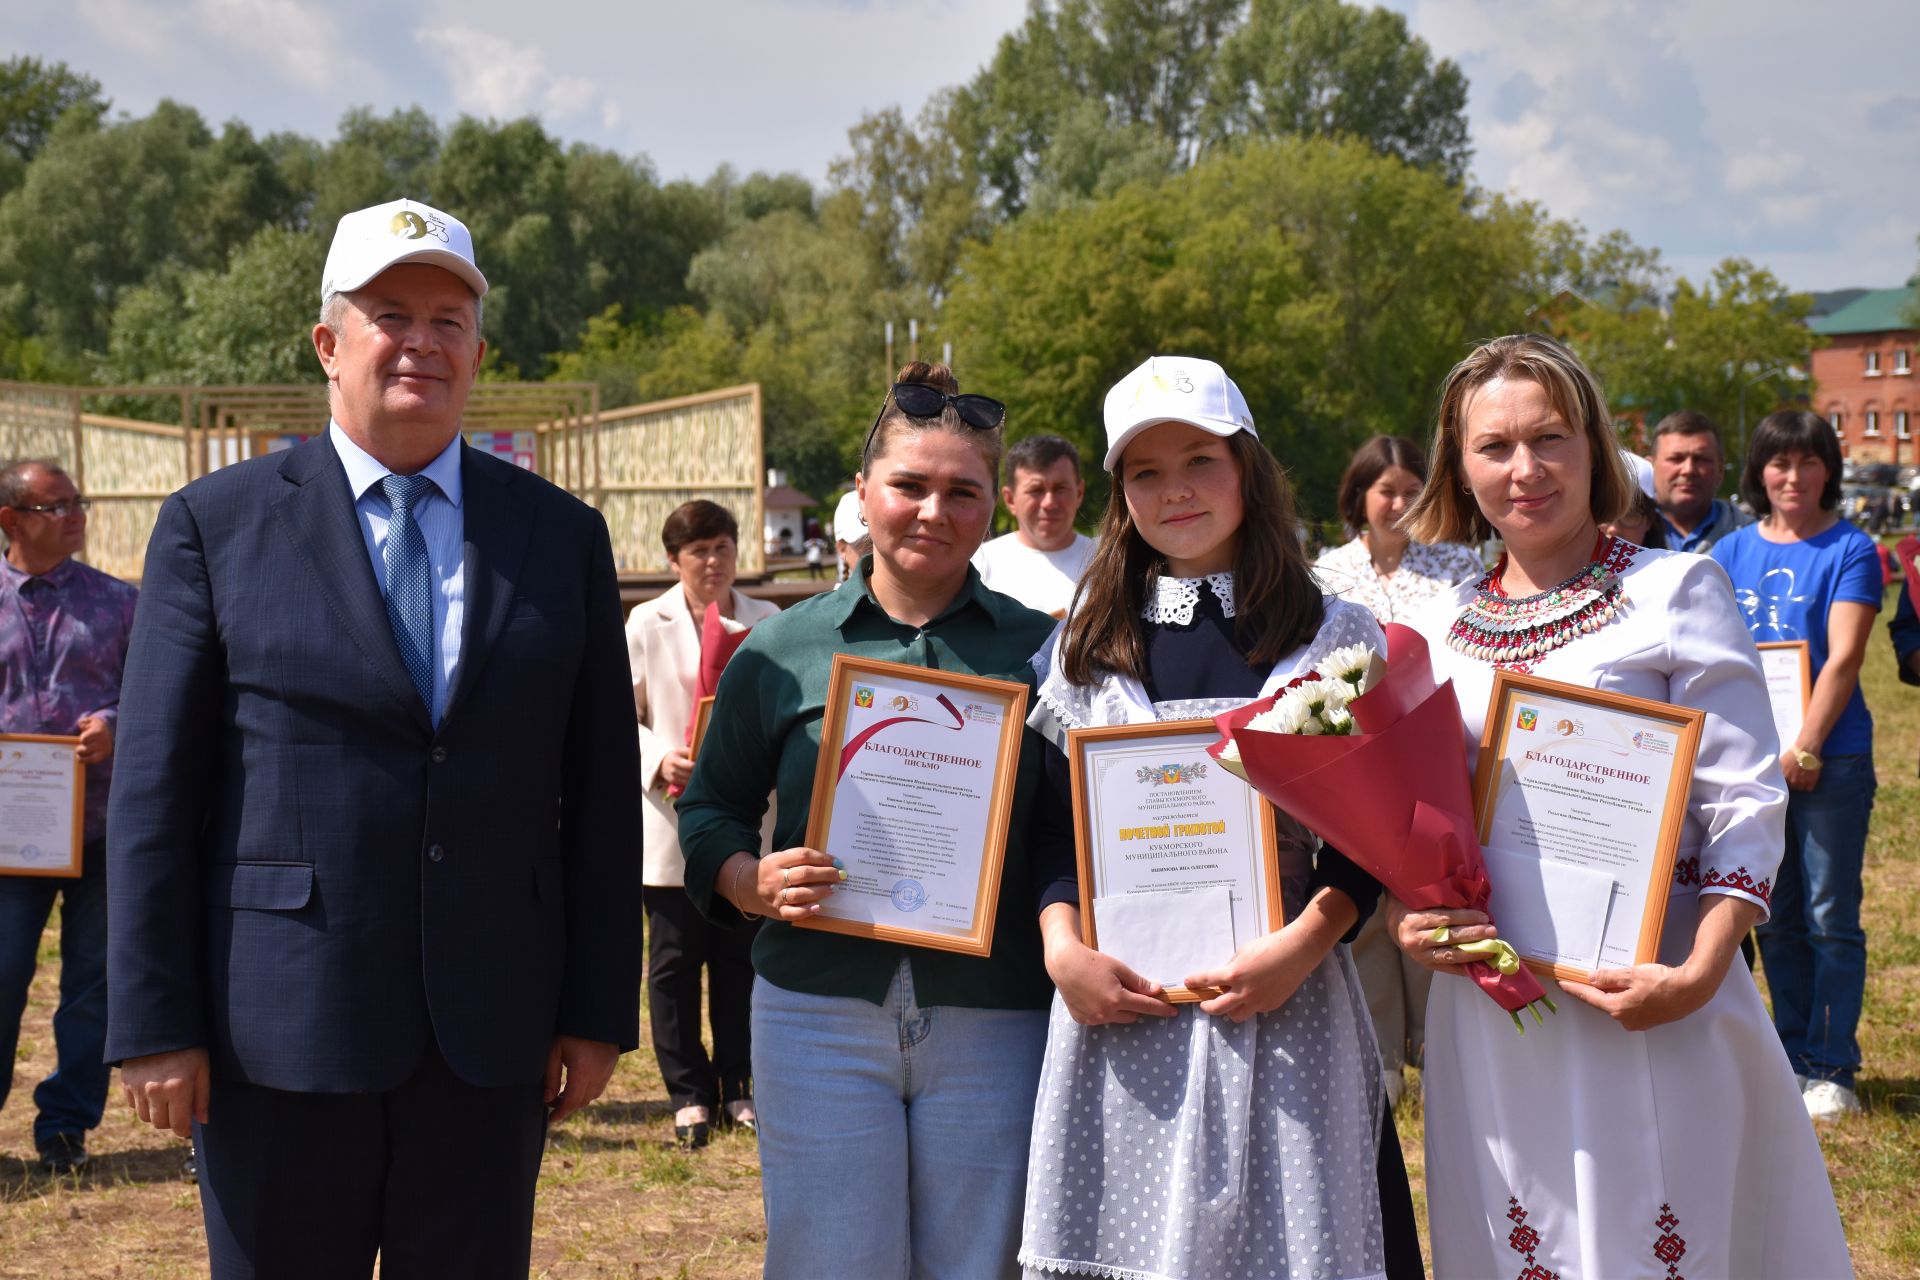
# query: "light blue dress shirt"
[[441, 524]]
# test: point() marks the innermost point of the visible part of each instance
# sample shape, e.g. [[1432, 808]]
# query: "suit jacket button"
[[435, 853], [438, 755]]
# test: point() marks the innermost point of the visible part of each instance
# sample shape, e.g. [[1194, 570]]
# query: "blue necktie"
[[410, 582]]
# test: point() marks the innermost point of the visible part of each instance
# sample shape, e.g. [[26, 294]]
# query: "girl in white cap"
[[1241, 1136]]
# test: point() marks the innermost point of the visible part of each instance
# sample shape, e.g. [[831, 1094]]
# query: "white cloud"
[[1773, 132], [300, 40]]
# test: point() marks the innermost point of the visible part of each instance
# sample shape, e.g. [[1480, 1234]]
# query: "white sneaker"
[[1829, 1100]]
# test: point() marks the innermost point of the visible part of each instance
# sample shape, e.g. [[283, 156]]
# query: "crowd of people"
[[380, 844]]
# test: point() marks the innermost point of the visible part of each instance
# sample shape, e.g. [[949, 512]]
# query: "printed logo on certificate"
[[1580, 796], [43, 790], [1788, 667], [1179, 859], [913, 793]]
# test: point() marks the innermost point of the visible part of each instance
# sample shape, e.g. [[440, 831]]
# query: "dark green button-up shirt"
[[765, 738]]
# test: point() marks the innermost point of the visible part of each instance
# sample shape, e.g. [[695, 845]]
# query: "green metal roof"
[[1876, 311]]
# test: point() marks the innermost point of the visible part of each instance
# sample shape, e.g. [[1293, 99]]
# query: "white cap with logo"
[[1174, 389], [368, 241]]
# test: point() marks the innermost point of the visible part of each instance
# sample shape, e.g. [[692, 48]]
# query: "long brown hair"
[[1277, 603]]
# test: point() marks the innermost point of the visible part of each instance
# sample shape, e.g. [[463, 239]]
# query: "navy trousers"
[[435, 1177]]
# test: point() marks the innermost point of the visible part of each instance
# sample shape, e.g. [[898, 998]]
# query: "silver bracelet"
[[736, 885]]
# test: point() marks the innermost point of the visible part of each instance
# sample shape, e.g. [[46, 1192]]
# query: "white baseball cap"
[[1174, 389], [1640, 469], [368, 241], [846, 519]]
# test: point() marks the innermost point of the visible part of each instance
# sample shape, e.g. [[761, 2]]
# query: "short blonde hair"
[[1446, 512]]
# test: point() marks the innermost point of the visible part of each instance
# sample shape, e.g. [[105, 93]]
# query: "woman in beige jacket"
[[663, 644]]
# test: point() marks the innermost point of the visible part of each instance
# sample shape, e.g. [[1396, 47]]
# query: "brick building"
[[1866, 378]]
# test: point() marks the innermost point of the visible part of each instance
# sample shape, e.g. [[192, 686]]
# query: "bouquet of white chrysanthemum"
[[1316, 705], [1371, 758]]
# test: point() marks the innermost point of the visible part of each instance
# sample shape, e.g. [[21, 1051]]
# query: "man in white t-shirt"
[[1040, 563]]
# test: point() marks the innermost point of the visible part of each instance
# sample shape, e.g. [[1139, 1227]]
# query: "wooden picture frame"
[[702, 717], [988, 716], [1785, 663], [30, 765], [1083, 742], [1642, 733]]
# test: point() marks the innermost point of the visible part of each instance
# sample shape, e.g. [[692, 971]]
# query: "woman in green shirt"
[[895, 1085]]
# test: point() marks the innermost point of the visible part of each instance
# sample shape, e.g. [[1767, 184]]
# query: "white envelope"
[[1549, 910], [1166, 936]]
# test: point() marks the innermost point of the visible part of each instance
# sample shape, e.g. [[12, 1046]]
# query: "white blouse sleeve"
[[1739, 798]]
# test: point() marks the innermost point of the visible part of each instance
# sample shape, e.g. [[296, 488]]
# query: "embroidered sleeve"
[[1739, 799]]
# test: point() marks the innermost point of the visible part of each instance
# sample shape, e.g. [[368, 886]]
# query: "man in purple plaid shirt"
[[63, 641]]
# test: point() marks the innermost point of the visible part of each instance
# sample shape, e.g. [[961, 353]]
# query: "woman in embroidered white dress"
[[1239, 1137], [1652, 1129], [1397, 579]]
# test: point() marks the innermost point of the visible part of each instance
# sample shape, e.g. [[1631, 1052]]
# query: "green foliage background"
[[1278, 184]]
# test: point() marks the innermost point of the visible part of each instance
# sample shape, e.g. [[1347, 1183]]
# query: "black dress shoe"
[[63, 1153], [693, 1136]]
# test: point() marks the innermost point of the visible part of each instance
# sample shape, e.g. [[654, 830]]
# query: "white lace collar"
[[1174, 598]]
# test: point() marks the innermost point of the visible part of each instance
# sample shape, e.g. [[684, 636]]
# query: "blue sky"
[[1763, 129]]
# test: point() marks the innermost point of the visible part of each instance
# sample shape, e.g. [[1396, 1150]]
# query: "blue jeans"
[[893, 1139], [73, 1097], [1813, 948]]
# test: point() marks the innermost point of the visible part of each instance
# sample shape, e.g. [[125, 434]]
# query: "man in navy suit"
[[375, 845]]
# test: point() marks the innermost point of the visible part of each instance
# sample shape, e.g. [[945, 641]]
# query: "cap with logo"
[[1174, 389], [368, 241]]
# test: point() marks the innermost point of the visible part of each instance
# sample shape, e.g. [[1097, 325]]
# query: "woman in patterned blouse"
[[1382, 568]]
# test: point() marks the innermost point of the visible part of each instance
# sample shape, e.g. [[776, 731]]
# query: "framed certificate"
[[1788, 666], [913, 794], [702, 717], [1580, 795], [43, 789], [1179, 860]]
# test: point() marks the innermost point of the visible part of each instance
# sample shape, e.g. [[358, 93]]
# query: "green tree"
[[1732, 347], [100, 208], [33, 97], [251, 321], [1336, 285], [1322, 68]]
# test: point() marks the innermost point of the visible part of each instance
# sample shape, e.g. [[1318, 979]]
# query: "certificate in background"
[[1580, 796], [42, 805], [913, 793], [1788, 667], [1179, 864]]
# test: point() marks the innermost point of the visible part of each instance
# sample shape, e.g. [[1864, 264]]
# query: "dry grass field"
[[616, 1198]]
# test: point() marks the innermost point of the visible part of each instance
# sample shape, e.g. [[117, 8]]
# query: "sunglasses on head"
[[918, 400]]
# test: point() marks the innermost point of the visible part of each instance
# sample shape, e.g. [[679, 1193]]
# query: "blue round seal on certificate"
[[29, 853], [909, 895]]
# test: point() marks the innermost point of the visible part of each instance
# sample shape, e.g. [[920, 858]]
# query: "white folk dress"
[[1583, 1151], [1195, 1147]]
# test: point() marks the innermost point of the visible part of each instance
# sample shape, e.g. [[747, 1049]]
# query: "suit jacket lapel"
[[317, 515], [496, 532]]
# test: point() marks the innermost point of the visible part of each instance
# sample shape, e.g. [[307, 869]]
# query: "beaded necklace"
[[1516, 633]]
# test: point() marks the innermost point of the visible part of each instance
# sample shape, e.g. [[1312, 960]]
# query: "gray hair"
[[330, 311], [15, 478]]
